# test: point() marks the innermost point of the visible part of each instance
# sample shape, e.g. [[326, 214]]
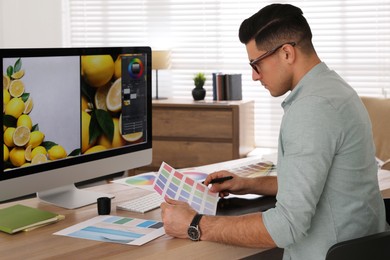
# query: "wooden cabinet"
[[190, 133]]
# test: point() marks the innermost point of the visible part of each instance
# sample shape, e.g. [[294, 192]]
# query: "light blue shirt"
[[327, 175]]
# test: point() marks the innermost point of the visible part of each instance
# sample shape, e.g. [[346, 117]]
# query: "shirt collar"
[[309, 77]]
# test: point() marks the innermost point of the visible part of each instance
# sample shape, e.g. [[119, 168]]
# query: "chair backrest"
[[379, 111], [387, 207], [375, 246]]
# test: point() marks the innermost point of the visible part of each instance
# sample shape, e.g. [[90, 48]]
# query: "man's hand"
[[235, 186], [177, 217]]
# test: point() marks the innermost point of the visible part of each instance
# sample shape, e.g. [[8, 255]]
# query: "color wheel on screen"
[[141, 180], [198, 176]]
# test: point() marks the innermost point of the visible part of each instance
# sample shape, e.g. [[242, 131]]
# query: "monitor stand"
[[70, 197]]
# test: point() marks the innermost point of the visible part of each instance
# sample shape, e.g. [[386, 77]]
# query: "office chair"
[[376, 246], [387, 207]]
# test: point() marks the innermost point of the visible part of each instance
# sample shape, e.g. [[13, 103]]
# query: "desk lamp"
[[161, 59]]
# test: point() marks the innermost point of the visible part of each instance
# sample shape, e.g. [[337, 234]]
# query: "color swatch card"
[[146, 180], [176, 185], [115, 229]]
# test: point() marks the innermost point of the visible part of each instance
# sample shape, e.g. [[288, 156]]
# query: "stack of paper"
[[22, 218]]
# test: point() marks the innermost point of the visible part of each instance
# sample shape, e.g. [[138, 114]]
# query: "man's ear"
[[289, 53]]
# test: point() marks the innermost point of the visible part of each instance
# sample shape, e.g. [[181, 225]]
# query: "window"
[[351, 36]]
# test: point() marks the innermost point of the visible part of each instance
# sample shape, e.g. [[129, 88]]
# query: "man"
[[326, 189]]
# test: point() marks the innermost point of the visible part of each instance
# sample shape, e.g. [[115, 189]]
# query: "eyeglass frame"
[[254, 62]]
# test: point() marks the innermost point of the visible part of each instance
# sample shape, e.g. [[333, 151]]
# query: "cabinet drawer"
[[193, 123], [182, 154]]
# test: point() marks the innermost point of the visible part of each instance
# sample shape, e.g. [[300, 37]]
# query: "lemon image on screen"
[[85, 121], [24, 129], [57, 152], [6, 81], [16, 88], [15, 107], [21, 136], [114, 96], [97, 70]]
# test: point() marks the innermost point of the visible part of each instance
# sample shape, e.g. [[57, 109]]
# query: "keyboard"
[[142, 204]]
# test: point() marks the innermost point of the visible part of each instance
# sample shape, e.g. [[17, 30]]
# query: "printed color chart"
[[176, 185], [115, 229]]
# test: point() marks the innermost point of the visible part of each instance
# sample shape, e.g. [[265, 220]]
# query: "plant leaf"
[[75, 152], [9, 121], [18, 65], [105, 122], [25, 96], [48, 145], [35, 128], [10, 71], [94, 128], [88, 91]]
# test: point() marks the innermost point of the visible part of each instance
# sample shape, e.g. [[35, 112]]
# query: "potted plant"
[[198, 93]]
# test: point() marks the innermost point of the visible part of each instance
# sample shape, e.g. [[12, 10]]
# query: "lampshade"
[[161, 59]]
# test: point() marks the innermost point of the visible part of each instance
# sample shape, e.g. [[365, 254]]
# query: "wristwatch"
[[193, 230]]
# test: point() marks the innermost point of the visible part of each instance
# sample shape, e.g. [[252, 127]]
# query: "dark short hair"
[[276, 24]]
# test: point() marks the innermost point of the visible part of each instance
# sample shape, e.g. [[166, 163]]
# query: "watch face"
[[193, 233]]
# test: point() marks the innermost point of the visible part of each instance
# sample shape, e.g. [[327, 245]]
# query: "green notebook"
[[19, 217]]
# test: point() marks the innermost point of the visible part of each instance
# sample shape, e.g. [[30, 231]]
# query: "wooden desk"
[[41, 244]]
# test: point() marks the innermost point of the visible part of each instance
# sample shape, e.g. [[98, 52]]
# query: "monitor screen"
[[70, 115]]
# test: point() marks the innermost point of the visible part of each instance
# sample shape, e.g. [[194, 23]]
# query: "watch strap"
[[196, 220]]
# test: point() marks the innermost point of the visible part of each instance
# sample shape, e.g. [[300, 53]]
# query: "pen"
[[220, 180]]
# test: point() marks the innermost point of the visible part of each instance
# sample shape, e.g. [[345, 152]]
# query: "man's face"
[[272, 71]]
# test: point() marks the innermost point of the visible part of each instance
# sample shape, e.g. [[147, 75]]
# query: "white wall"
[[30, 23]]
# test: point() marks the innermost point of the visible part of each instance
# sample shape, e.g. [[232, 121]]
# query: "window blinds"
[[351, 36]]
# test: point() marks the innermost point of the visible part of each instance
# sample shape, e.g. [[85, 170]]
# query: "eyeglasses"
[[254, 62]]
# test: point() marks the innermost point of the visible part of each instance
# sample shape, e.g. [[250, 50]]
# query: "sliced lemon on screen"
[[27, 153], [101, 96], [39, 158], [129, 137], [28, 106], [133, 136], [21, 136], [18, 75], [114, 96], [16, 88], [6, 81]]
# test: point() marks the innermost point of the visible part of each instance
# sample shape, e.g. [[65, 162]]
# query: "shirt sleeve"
[[308, 140]]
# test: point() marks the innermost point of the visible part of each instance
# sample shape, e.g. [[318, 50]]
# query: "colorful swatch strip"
[[176, 185], [255, 170]]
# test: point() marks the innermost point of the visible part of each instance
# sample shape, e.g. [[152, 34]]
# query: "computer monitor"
[[70, 115]]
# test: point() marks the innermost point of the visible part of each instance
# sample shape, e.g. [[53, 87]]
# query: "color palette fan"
[[176, 185]]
